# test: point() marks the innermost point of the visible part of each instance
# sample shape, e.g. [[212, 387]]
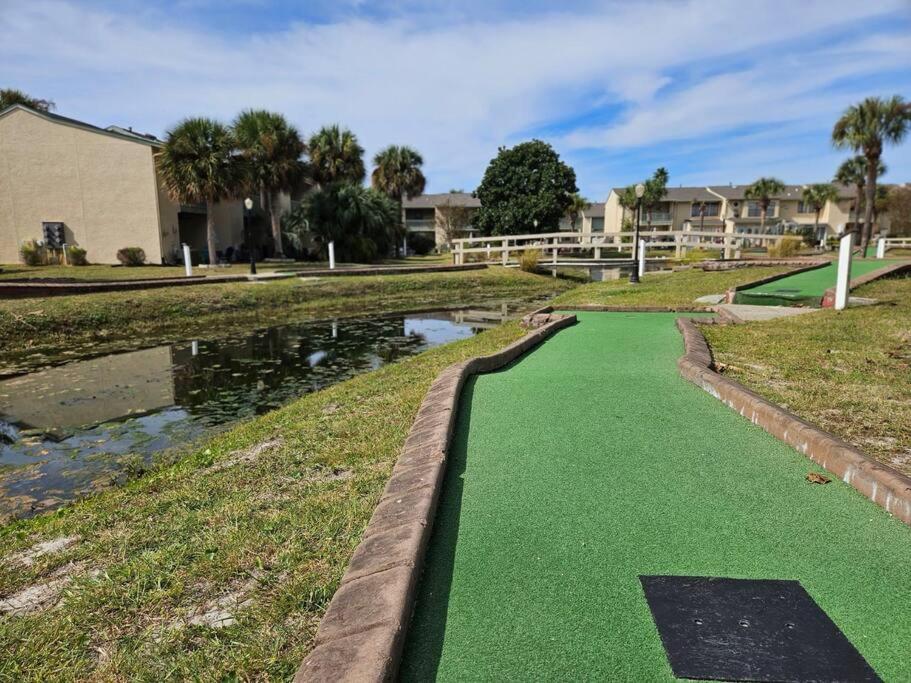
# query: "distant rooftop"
[[429, 201], [712, 192]]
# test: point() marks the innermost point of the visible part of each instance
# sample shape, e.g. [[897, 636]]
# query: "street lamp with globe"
[[248, 210], [634, 273]]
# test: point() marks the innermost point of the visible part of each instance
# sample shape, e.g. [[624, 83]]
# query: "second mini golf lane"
[[591, 461], [806, 288]]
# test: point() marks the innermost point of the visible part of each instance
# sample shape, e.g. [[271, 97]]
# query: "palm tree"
[[865, 128], [398, 175], [11, 96], [197, 164], [817, 196], [271, 149], [853, 171], [336, 157], [359, 220], [655, 189], [576, 206], [762, 192]]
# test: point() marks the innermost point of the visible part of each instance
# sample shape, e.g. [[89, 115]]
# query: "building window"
[[597, 224], [711, 209], [755, 211], [805, 207]]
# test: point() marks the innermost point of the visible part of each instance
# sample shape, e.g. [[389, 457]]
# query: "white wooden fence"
[[502, 248]]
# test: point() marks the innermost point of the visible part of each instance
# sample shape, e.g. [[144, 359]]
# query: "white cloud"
[[454, 89]]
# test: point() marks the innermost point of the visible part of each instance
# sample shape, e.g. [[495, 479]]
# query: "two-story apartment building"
[[725, 208], [443, 217], [102, 184]]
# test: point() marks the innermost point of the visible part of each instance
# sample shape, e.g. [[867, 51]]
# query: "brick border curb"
[[732, 292], [734, 264], [880, 483], [828, 298], [362, 633], [385, 270]]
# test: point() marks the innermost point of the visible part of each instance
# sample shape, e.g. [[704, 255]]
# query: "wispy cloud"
[[614, 85]]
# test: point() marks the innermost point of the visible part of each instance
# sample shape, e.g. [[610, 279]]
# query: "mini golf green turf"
[[590, 461], [805, 288]]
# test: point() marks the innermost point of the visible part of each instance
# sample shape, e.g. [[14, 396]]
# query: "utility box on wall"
[[54, 234]]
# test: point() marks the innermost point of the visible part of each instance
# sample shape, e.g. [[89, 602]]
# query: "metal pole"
[[634, 274], [250, 246]]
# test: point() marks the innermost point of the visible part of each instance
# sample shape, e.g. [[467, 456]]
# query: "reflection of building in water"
[[89, 392]]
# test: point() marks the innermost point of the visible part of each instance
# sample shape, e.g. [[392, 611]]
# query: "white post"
[[880, 247], [641, 258], [405, 246], [488, 251], [194, 348], [334, 329], [331, 255], [843, 278], [555, 252], [65, 262], [504, 243], [187, 263]]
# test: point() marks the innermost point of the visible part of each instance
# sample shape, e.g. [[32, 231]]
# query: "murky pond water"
[[70, 429]]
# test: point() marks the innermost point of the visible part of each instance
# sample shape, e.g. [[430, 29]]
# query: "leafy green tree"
[[576, 206], [361, 221], [866, 128], [762, 192], [335, 156], [11, 96], [817, 196], [398, 175], [198, 164], [271, 149], [521, 185]]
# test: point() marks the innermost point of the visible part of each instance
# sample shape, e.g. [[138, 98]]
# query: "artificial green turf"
[[805, 288], [591, 461]]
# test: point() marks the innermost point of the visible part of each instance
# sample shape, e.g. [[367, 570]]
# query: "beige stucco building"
[[724, 208], [102, 184]]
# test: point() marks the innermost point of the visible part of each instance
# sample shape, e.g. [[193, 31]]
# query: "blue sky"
[[717, 91]]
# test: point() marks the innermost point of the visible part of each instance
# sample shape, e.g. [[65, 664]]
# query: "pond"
[[70, 429]]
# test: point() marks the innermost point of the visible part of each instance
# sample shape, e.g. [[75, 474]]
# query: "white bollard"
[[334, 330], [187, 263], [881, 247], [488, 251], [405, 246], [194, 348], [641, 258], [843, 278], [555, 253], [331, 255], [65, 261]]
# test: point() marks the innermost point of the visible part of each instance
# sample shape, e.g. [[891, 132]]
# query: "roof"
[[113, 131], [593, 210], [429, 201], [683, 194]]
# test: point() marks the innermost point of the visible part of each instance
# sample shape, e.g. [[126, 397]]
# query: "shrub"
[[421, 244], [32, 253], [528, 260], [785, 247], [76, 256], [131, 256]]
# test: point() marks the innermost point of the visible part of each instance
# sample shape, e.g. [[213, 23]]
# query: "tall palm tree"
[[398, 175], [271, 149], [11, 96], [817, 196], [853, 171], [655, 189], [865, 128], [762, 192], [576, 206], [197, 164], [336, 156]]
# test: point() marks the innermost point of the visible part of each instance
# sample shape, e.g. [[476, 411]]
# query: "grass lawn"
[[590, 462], [848, 372], [680, 288], [260, 523], [113, 320]]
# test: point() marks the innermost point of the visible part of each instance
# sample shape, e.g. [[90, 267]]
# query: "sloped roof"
[[114, 131], [429, 201], [790, 191], [593, 210]]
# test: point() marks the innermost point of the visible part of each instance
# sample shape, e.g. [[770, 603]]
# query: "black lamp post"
[[634, 274], [248, 210]]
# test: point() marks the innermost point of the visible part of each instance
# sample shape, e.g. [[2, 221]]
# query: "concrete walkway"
[[750, 313]]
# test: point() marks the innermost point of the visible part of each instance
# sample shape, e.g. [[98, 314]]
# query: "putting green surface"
[[590, 461], [805, 288]]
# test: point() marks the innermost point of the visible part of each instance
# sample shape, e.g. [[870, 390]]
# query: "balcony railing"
[[657, 216], [420, 225]]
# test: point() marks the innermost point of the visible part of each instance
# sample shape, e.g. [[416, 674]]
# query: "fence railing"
[[501, 248]]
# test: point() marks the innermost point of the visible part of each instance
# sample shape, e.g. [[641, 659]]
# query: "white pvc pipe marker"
[[331, 255], [641, 258], [187, 263], [844, 271], [881, 247]]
